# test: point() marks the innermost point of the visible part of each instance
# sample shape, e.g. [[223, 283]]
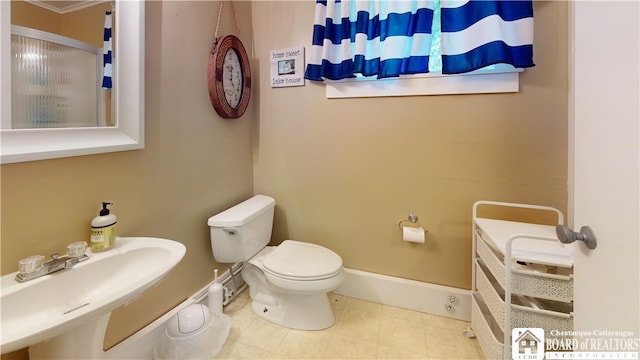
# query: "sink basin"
[[80, 299]]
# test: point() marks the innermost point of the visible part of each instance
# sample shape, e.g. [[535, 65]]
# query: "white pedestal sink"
[[65, 314]]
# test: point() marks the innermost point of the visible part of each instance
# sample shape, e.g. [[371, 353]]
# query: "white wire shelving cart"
[[522, 277]]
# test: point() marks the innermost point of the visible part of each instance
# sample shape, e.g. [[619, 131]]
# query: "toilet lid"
[[302, 261]]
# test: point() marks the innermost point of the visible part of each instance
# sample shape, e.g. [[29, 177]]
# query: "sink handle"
[[77, 249], [31, 264]]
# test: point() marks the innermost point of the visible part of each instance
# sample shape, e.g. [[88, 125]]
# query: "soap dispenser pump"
[[103, 229]]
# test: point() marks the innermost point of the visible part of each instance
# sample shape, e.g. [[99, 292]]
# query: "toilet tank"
[[241, 231]]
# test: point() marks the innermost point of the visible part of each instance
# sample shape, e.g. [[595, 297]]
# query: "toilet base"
[[302, 312]]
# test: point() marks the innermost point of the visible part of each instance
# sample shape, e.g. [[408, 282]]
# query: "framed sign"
[[287, 67]]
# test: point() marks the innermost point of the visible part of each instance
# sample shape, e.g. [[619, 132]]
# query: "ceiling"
[[65, 6]]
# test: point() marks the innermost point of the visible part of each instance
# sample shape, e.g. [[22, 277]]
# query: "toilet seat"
[[295, 260]]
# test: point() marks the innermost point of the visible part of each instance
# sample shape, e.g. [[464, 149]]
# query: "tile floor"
[[363, 330]]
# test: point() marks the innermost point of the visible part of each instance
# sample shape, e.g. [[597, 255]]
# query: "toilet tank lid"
[[242, 213]]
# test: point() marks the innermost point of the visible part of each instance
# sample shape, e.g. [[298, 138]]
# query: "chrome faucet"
[[34, 267]]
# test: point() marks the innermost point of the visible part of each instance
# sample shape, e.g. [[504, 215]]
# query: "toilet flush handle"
[[230, 232]]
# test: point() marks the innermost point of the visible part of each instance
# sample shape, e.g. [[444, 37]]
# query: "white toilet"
[[288, 283]]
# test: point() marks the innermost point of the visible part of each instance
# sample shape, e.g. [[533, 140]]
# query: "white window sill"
[[426, 84]]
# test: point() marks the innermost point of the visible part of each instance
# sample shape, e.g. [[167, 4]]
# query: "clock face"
[[232, 78]]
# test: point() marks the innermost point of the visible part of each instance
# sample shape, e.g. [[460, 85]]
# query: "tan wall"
[[346, 171], [86, 24], [194, 165], [35, 17]]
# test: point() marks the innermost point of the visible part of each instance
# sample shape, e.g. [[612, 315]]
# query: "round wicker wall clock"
[[229, 77]]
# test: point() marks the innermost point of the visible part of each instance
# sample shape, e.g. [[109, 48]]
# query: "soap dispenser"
[[103, 230]]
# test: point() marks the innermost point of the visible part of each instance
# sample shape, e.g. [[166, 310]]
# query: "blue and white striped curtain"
[[476, 34], [370, 37], [388, 38], [107, 52]]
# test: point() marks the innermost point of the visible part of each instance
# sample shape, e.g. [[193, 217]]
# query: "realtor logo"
[[527, 344]]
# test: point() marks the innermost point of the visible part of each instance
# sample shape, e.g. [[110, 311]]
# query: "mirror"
[[128, 96], [57, 64]]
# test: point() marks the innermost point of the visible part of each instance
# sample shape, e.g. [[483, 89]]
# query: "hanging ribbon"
[[235, 17]]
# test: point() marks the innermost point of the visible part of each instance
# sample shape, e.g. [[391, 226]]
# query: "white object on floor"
[[194, 333]]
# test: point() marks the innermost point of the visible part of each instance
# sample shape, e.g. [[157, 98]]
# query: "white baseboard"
[[408, 294], [388, 290]]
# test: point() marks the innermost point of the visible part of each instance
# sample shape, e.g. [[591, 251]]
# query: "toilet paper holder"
[[412, 219]]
